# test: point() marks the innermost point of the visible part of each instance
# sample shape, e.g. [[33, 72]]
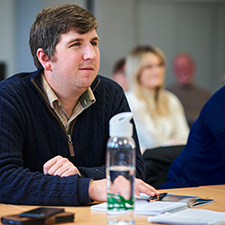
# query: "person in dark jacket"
[[55, 121], [202, 162]]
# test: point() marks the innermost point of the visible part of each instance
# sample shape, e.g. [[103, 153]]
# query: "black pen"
[[156, 197]]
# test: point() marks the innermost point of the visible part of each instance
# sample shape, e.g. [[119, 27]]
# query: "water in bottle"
[[120, 171]]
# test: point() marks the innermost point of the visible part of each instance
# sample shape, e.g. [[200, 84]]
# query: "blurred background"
[[193, 26]]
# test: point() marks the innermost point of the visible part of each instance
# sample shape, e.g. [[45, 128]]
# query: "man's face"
[[76, 61], [184, 70]]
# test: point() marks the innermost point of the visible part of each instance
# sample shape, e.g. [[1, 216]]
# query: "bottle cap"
[[120, 125]]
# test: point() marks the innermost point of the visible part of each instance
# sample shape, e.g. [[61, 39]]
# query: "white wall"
[[8, 35], [116, 31], [26, 12], [188, 25], [49, 3], [193, 26], [16, 18]]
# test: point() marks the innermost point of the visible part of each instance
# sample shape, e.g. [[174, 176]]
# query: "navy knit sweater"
[[31, 134]]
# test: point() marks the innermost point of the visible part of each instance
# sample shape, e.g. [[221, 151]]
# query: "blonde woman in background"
[[158, 114]]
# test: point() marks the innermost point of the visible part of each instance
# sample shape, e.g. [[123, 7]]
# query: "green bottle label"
[[116, 201]]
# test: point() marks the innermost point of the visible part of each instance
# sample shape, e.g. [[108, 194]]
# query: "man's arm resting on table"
[[97, 188]]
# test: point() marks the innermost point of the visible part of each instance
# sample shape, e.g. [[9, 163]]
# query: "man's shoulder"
[[17, 78], [172, 97], [15, 84], [176, 90], [202, 90], [12, 80], [171, 87]]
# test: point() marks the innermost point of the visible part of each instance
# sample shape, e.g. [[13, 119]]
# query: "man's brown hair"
[[52, 22]]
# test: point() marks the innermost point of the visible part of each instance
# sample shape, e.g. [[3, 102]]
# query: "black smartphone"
[[15, 219], [18, 220], [41, 212]]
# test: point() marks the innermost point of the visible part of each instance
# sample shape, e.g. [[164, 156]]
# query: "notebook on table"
[[164, 204], [190, 217], [142, 207], [192, 201]]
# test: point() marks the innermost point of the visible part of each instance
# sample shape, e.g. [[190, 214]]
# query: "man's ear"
[[44, 60]]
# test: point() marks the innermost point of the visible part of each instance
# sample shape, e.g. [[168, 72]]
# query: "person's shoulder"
[[134, 102], [171, 88], [214, 107], [172, 98], [219, 95], [216, 103], [15, 81], [202, 90], [131, 96], [18, 86], [170, 94]]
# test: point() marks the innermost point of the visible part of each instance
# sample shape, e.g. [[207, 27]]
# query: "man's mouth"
[[86, 68]]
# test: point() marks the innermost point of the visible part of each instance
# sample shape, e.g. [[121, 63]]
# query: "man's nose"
[[89, 52]]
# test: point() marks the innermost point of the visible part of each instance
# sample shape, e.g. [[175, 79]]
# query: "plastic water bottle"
[[120, 170]]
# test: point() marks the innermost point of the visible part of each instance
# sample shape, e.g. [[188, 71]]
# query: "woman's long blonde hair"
[[135, 63]]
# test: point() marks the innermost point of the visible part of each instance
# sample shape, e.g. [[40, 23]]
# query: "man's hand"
[[60, 166], [141, 186], [98, 192], [122, 186]]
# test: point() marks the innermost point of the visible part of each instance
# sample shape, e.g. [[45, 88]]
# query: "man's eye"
[[94, 43], [76, 44]]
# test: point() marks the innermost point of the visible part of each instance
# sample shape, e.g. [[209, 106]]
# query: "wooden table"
[[84, 216]]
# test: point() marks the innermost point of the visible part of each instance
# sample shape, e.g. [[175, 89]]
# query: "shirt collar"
[[86, 99]]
